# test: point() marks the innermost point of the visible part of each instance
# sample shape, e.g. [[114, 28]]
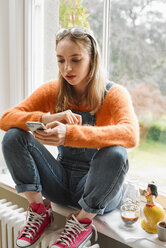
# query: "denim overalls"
[[85, 178]]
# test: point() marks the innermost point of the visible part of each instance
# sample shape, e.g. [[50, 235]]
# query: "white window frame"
[[106, 28], [41, 24], [25, 47], [33, 37]]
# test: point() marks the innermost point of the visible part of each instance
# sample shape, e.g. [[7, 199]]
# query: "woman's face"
[[74, 63]]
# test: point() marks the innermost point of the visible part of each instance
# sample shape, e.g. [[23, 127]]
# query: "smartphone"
[[33, 126]]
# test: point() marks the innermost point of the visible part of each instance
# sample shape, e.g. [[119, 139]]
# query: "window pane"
[[83, 13], [95, 18], [137, 59]]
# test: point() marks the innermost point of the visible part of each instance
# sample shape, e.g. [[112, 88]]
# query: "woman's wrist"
[[45, 118]]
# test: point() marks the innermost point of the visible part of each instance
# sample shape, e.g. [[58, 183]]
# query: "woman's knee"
[[11, 137], [111, 159], [112, 153]]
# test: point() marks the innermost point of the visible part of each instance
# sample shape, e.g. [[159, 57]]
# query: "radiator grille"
[[12, 220]]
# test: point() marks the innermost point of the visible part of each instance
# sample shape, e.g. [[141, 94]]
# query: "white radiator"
[[12, 220]]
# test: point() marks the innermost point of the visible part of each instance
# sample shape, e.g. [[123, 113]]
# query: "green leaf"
[[72, 13]]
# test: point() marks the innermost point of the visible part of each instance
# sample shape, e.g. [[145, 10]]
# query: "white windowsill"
[[109, 224]]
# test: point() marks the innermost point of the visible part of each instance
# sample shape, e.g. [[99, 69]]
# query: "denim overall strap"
[[108, 86]]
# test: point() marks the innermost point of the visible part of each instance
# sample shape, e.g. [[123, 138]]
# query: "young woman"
[[91, 121]]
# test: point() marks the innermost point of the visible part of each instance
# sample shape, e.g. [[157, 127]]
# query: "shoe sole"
[[37, 241], [82, 245]]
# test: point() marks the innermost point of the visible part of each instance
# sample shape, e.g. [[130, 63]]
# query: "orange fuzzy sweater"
[[116, 122]]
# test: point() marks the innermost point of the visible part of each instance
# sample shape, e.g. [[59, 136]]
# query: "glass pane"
[[95, 18], [137, 59], [83, 13]]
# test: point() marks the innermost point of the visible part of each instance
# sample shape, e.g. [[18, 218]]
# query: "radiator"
[[12, 220]]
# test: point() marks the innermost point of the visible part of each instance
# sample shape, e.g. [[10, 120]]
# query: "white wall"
[[4, 63], [11, 57], [4, 55]]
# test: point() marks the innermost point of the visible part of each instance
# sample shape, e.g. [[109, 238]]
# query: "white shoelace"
[[33, 224], [71, 230]]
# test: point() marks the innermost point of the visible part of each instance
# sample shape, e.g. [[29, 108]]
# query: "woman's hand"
[[54, 135], [66, 117]]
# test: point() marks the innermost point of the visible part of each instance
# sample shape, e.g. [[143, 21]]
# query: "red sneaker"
[[38, 219], [75, 234]]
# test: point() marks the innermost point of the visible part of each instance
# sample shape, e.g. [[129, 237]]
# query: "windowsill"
[[109, 224]]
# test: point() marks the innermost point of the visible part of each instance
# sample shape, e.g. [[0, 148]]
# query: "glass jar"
[[131, 192]]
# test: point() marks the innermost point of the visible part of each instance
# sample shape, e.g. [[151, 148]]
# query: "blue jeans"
[[95, 186]]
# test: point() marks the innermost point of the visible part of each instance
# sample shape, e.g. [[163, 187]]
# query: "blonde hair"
[[96, 87]]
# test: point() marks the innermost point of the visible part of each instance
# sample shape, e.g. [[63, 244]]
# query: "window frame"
[[23, 77], [40, 59], [34, 44], [106, 28]]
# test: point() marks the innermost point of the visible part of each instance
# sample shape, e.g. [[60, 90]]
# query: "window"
[[30, 49], [41, 23], [136, 58]]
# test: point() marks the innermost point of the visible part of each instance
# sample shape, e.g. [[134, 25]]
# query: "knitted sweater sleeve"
[[31, 109], [116, 124]]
